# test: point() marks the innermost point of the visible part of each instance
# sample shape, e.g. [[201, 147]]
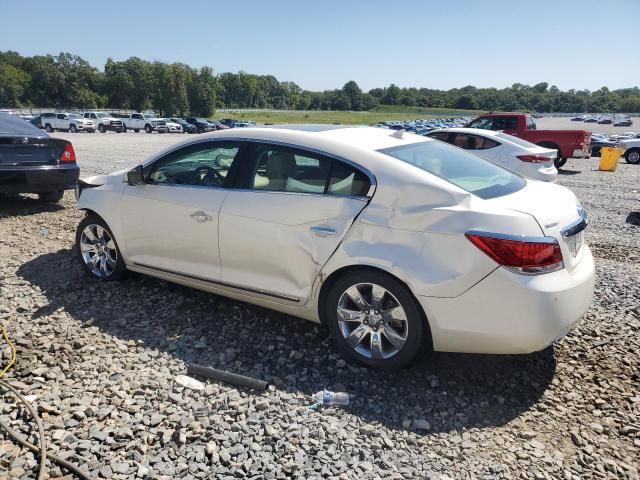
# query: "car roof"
[[473, 131], [333, 138]]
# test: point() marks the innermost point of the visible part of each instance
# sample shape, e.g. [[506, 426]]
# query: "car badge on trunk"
[[24, 140]]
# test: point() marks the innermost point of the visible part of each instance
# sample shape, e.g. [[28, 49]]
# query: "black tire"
[[91, 130], [73, 128], [148, 129], [51, 197], [101, 128], [632, 156], [119, 270], [414, 329], [137, 130], [559, 162], [200, 130], [124, 128], [48, 128]]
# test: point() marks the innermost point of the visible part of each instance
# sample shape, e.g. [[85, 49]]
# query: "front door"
[[170, 223], [292, 212]]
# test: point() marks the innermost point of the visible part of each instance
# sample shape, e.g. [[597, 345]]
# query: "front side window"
[[200, 165], [282, 169], [465, 170]]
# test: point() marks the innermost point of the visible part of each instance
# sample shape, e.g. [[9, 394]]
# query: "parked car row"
[[628, 142], [424, 126], [617, 120]]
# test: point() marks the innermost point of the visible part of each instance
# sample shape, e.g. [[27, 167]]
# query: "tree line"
[[67, 80]]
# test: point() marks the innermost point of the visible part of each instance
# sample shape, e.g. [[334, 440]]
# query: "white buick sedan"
[[526, 158], [393, 240]]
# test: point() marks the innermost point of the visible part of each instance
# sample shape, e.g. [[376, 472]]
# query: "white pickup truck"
[[69, 122], [147, 122], [103, 121]]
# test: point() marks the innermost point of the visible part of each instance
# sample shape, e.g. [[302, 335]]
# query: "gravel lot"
[[101, 361]]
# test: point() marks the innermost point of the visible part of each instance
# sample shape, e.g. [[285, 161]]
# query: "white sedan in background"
[[172, 127], [393, 240], [525, 158]]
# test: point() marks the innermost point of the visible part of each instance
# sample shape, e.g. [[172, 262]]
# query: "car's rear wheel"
[[48, 128], [101, 128], [73, 128], [98, 251], [148, 129], [124, 128], [632, 156], [374, 319], [54, 196]]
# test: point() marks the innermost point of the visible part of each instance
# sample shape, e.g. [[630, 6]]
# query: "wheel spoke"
[[395, 314], [87, 247], [377, 296], [111, 245], [357, 335], [346, 315], [99, 232], [394, 337], [103, 264], [376, 345], [89, 234], [356, 297]]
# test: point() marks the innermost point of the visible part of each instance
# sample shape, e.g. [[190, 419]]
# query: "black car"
[[186, 126], [202, 124], [229, 122], [33, 162]]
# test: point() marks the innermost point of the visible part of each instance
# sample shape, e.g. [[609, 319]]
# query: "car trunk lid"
[[558, 213], [16, 150]]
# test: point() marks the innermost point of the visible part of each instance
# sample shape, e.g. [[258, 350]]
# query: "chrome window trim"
[[577, 226], [516, 238], [366, 171]]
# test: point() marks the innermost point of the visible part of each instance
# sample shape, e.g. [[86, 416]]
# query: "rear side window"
[[282, 169], [505, 123], [472, 142], [465, 170], [516, 140], [531, 123]]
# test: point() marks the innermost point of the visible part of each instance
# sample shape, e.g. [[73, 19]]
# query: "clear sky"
[[323, 44]]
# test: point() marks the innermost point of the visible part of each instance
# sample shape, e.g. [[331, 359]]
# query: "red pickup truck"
[[568, 143]]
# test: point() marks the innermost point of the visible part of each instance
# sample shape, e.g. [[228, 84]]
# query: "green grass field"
[[349, 118]]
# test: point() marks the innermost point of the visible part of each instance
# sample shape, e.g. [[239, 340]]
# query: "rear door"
[[292, 210]]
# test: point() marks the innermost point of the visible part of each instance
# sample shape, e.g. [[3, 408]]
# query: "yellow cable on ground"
[[13, 350]]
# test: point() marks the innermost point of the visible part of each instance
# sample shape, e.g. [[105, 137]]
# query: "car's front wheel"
[[101, 128], [98, 251], [73, 128], [374, 319], [148, 129]]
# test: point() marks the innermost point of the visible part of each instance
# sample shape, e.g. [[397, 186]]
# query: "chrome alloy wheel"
[[372, 320], [98, 250]]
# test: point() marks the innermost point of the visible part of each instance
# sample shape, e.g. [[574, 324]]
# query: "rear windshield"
[[465, 170], [516, 140]]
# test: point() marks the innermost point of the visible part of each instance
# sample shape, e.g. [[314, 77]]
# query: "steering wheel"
[[209, 176]]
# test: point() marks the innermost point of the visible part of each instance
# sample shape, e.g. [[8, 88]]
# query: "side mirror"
[[135, 176]]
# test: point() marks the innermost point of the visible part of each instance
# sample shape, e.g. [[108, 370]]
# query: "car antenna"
[[398, 133]]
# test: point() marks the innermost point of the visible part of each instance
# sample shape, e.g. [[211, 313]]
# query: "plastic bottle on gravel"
[[326, 398]]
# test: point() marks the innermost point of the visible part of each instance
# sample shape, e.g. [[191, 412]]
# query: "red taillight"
[[533, 158], [68, 154], [520, 255]]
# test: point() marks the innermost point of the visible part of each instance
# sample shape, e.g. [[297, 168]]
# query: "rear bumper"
[[36, 179], [507, 313], [579, 153]]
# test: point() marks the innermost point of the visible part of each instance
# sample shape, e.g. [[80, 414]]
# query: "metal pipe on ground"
[[227, 377]]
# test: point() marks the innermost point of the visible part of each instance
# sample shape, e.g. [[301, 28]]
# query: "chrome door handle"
[[323, 230], [201, 217]]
